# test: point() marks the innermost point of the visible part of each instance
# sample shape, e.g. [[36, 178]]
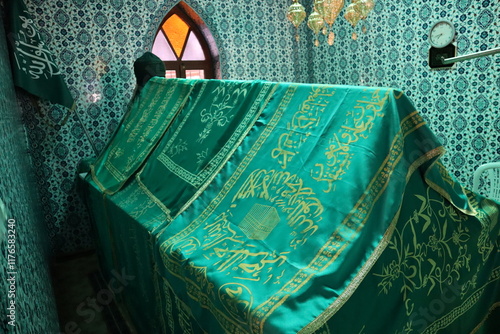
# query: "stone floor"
[[84, 306]]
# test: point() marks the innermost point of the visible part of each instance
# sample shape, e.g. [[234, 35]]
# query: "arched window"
[[183, 47]]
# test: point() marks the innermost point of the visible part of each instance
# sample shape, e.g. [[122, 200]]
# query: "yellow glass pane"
[[176, 30]]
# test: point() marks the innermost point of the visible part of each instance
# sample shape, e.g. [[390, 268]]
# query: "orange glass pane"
[[176, 30]]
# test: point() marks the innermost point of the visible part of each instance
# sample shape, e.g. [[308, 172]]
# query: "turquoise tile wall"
[[461, 105], [24, 274], [95, 44]]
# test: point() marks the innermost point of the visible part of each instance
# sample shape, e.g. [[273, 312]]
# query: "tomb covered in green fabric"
[[263, 207]]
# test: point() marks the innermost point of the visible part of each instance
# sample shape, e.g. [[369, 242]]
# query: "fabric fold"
[[299, 208], [204, 135], [149, 116]]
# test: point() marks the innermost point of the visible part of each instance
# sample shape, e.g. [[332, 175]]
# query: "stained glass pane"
[[176, 30], [193, 51], [195, 74], [170, 74], [162, 49]]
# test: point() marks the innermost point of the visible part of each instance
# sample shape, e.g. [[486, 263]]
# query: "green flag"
[[33, 67]]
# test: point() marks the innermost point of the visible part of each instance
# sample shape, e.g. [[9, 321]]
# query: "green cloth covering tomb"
[[315, 209]]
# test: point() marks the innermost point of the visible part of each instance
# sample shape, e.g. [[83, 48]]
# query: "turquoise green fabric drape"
[[33, 65], [318, 209], [149, 116], [210, 127], [439, 272]]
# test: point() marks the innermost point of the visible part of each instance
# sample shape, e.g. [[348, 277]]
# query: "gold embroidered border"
[[458, 311], [96, 180], [150, 195], [356, 281], [492, 308], [355, 221], [230, 149], [321, 320], [159, 95], [198, 296], [174, 267], [220, 157], [133, 128], [168, 308], [445, 194], [242, 167]]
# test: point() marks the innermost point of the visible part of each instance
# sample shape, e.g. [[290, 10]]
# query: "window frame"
[[180, 66]]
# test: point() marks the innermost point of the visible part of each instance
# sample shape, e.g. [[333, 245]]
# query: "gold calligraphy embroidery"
[[210, 151], [168, 307], [219, 111], [299, 129], [237, 300], [223, 245], [358, 124], [184, 316], [287, 192], [488, 216], [143, 125]]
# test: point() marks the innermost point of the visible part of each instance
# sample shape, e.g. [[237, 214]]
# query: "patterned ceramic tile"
[[95, 43], [461, 103]]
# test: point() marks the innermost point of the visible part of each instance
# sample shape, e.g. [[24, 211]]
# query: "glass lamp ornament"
[[315, 23], [358, 10], [365, 7], [319, 5], [296, 14], [353, 13], [332, 10]]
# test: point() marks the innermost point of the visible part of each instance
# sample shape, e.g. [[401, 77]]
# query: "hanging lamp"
[[296, 14]]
